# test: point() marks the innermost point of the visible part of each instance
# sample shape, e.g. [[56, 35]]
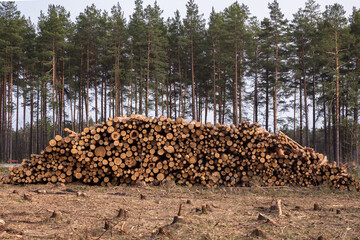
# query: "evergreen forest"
[[300, 76]]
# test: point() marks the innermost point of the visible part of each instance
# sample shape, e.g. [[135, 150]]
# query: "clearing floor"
[[207, 213]]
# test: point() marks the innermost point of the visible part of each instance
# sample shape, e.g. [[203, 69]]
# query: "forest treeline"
[[300, 76]]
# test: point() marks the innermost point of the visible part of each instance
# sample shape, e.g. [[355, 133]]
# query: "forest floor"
[[231, 213]]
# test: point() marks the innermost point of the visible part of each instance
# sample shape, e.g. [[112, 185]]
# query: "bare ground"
[[232, 213]]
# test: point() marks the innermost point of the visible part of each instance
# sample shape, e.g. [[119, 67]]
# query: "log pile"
[[127, 150]]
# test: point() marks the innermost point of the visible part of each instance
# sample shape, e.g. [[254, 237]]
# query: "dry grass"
[[4, 171], [232, 213]]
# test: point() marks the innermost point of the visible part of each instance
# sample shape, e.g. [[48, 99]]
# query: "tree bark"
[[95, 87], [24, 122], [256, 104], [80, 90], [301, 114], [62, 102], [356, 114], [87, 82], [180, 83], [214, 80], [235, 108], [267, 97], [276, 82], [192, 78], [314, 106], [295, 112], [31, 116], [337, 135], [54, 84], [240, 86], [307, 137], [116, 72], [140, 85], [10, 156], [147, 76], [17, 121]]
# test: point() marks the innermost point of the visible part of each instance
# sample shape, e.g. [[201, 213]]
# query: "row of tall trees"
[[300, 76]]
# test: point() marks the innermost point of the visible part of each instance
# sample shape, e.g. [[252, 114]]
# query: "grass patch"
[[79, 187], [4, 171], [355, 172]]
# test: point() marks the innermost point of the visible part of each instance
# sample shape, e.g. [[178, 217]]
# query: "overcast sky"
[[258, 8]]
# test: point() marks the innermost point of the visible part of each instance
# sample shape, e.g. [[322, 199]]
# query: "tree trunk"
[[207, 101], [17, 121], [80, 90], [337, 135], [314, 107], [116, 73], [157, 95], [2, 110], [130, 107], [356, 114], [307, 137], [24, 123], [175, 98], [87, 83], [325, 121], [220, 104], [168, 113], [295, 112], [301, 114], [54, 84], [267, 97], [256, 104], [276, 83], [102, 99], [235, 106], [180, 83], [95, 86], [240, 86], [37, 121], [192, 78], [105, 97], [62, 102], [162, 100], [31, 116], [147, 77], [121, 102], [11, 108], [5, 123], [45, 136], [214, 81]]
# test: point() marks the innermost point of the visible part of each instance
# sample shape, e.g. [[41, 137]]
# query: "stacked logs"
[[127, 150]]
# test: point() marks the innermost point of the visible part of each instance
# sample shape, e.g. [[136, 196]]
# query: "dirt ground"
[[207, 213]]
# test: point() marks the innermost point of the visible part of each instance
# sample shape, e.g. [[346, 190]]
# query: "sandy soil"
[[231, 213]]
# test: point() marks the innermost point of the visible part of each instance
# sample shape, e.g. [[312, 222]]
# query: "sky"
[[258, 8]]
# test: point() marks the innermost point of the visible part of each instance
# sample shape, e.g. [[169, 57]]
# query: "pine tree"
[[52, 34], [193, 25], [334, 23], [216, 34], [305, 24], [176, 57], [267, 66], [118, 37], [89, 33], [278, 26], [253, 54], [355, 55], [137, 31], [12, 26], [235, 19]]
